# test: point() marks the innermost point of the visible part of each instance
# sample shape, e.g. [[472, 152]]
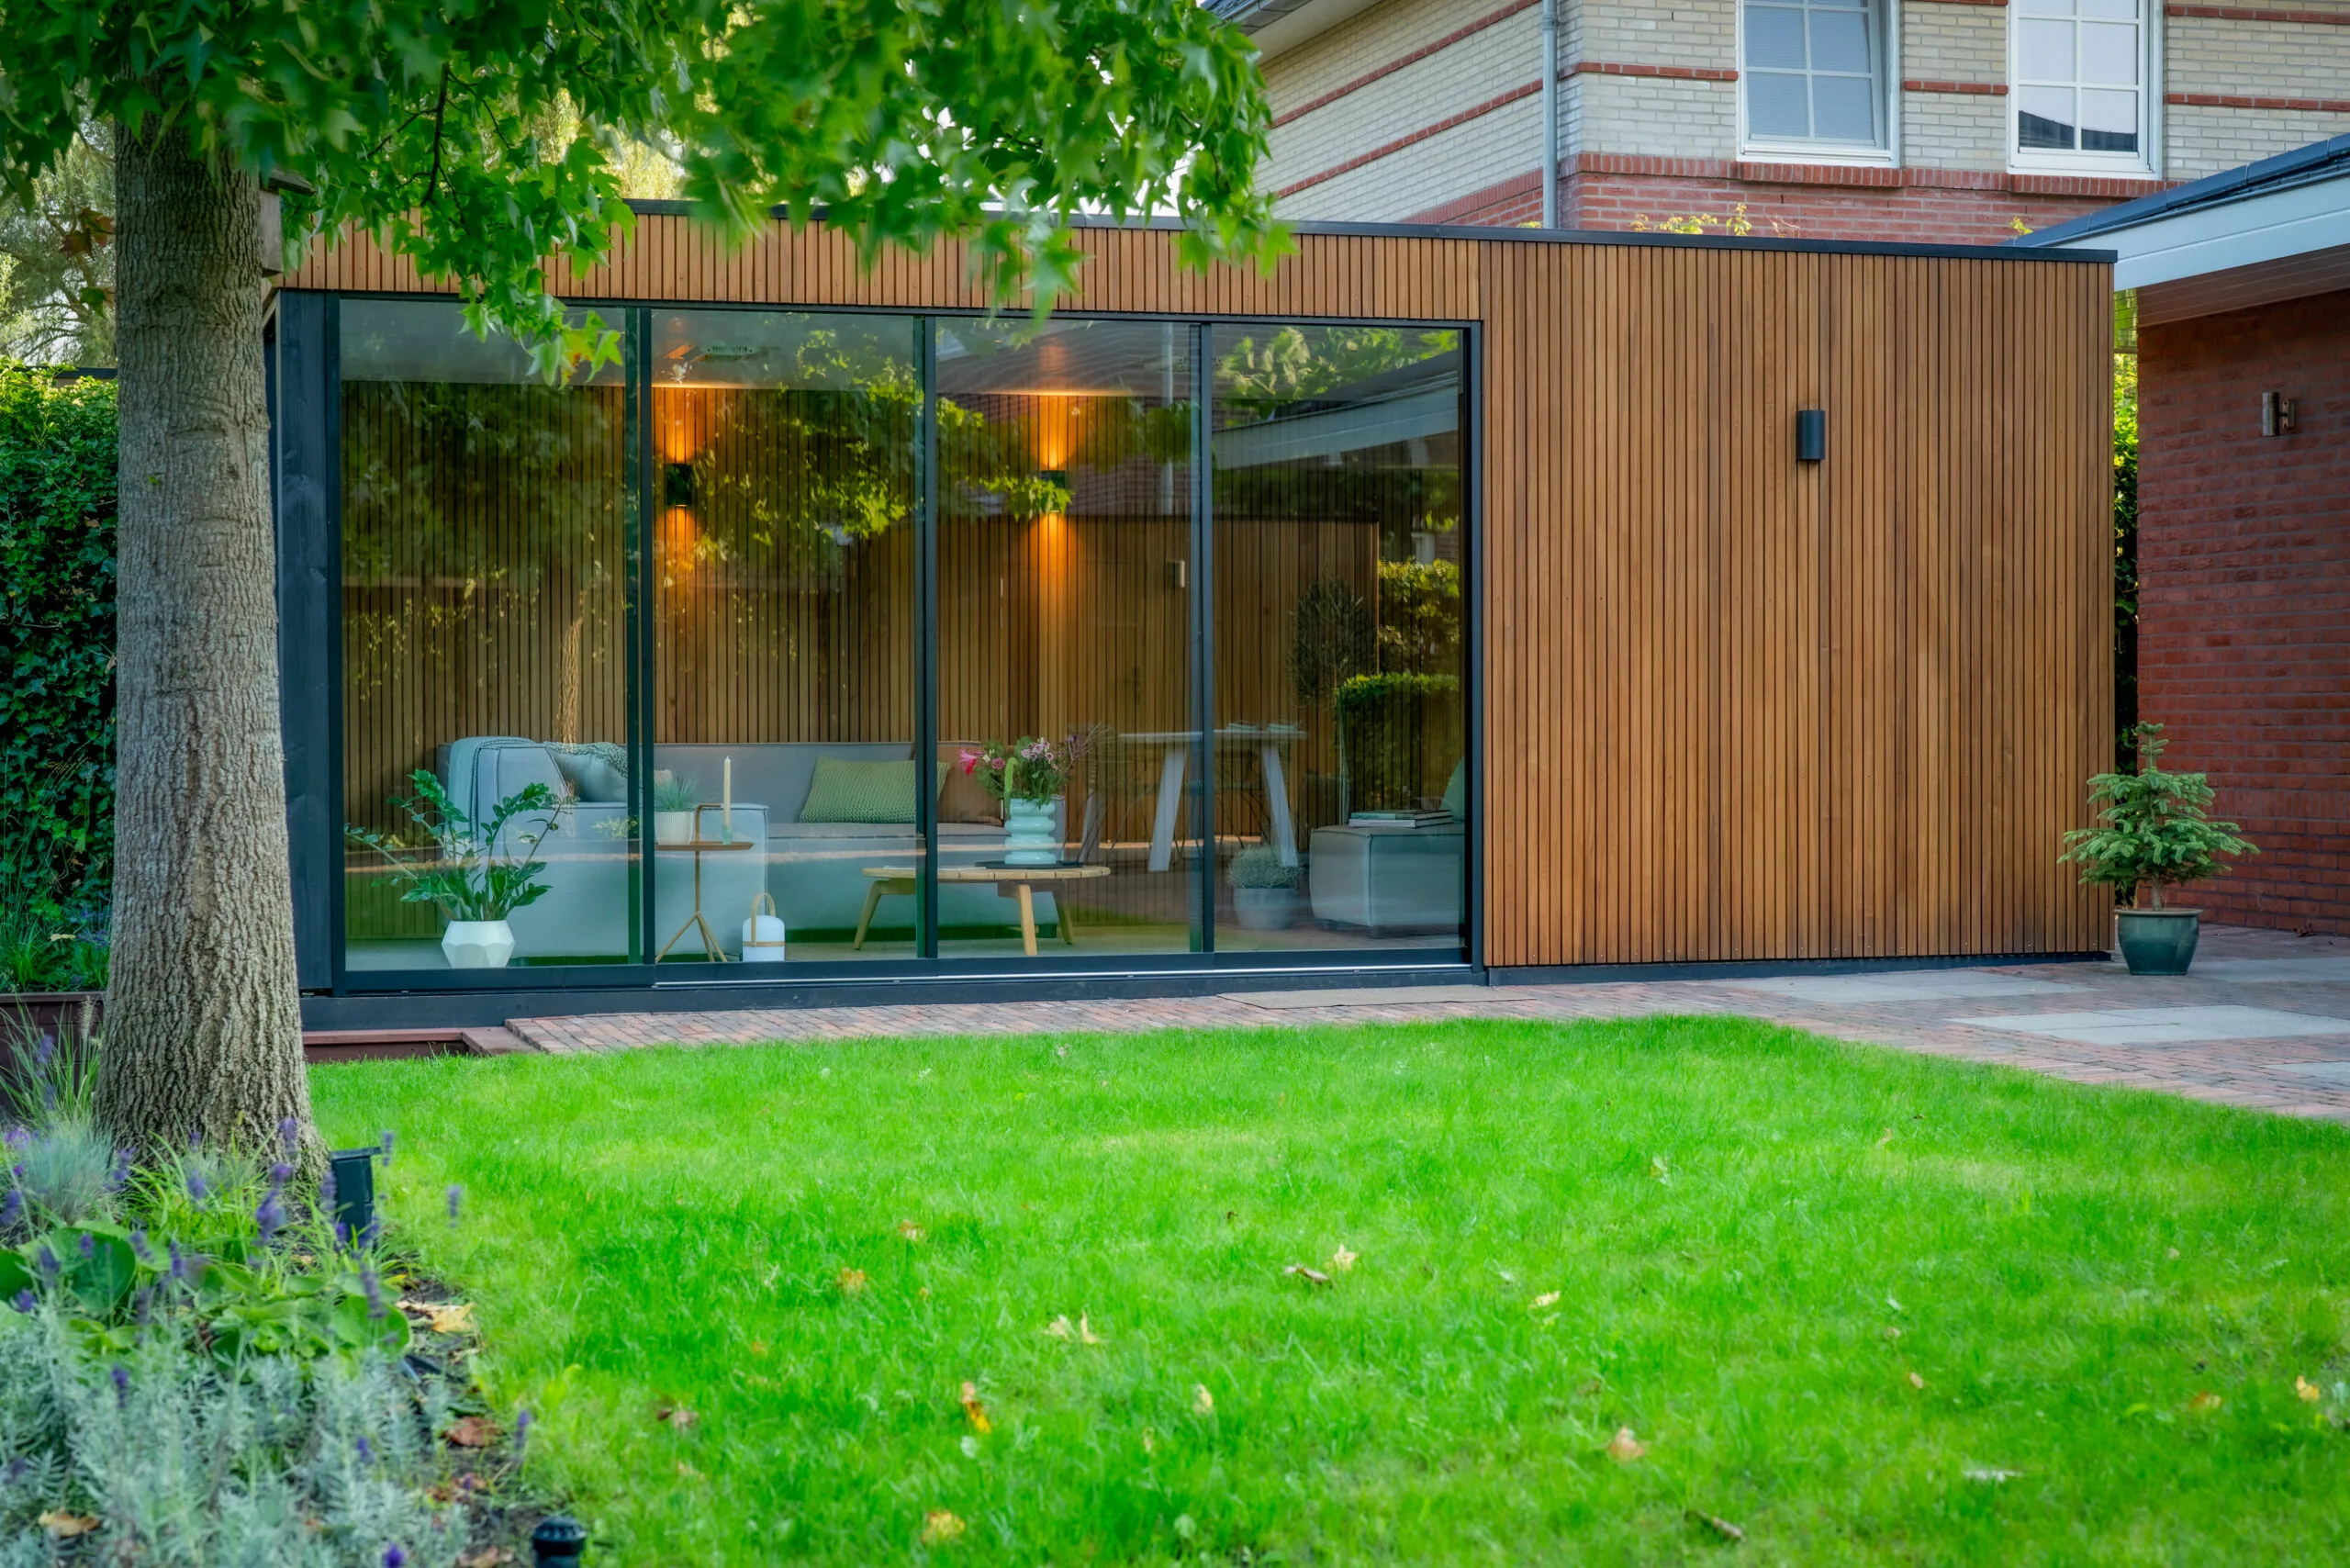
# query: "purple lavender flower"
[[122, 1385], [268, 1218], [25, 1301], [280, 1173], [521, 1434], [394, 1557], [197, 1187], [366, 1451], [12, 1208], [119, 1176], [456, 1197], [46, 1262], [326, 1188], [139, 1247], [289, 1137], [374, 1287], [383, 1147], [18, 1137], [343, 1235], [142, 1305], [89, 1247], [179, 1261]]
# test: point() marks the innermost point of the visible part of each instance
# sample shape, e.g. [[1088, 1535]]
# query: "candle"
[[726, 799]]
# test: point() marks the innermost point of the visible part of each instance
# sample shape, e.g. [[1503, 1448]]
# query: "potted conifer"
[[2156, 833]]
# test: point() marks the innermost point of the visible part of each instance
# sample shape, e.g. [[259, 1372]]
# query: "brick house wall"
[[2244, 555], [1431, 111]]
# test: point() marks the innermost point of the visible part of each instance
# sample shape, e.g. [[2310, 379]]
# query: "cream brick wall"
[[2266, 60], [1649, 116], [1447, 166], [1365, 42], [1701, 34], [1482, 67], [2199, 142], [1954, 43], [1942, 130]]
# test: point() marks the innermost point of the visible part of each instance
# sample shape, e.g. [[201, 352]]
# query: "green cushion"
[[847, 792]]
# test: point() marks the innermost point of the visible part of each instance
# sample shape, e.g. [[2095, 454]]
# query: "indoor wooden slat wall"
[[1735, 706]]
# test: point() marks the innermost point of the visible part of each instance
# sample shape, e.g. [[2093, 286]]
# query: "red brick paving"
[[2241, 1072]]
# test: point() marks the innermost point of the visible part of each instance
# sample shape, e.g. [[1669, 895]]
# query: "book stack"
[[1400, 819]]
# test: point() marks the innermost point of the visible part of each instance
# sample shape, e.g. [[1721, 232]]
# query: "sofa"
[[814, 870]]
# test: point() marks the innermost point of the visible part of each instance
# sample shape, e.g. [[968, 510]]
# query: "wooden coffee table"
[[1020, 880]]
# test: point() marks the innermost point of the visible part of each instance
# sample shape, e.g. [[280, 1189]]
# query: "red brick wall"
[[2244, 640], [1911, 205]]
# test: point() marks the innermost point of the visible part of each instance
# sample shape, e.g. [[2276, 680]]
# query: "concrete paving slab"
[[1903, 985], [2334, 1073], [2275, 972], [2164, 1025]]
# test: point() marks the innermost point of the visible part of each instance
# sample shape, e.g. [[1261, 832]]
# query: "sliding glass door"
[[825, 641]]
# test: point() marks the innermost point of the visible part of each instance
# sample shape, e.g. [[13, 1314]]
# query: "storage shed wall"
[[1734, 706]]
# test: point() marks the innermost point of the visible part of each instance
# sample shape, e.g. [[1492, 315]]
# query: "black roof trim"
[[2318, 161], [2002, 252]]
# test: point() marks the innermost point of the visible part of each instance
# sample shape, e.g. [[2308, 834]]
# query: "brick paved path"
[[2265, 1020]]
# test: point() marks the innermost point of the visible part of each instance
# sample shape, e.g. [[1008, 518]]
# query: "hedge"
[[57, 639]]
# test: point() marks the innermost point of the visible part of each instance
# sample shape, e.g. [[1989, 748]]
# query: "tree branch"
[[432, 180]]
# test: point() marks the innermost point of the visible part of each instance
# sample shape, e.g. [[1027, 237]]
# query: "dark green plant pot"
[[2158, 941]]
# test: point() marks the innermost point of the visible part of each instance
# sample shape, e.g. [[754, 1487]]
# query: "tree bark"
[[203, 1021]]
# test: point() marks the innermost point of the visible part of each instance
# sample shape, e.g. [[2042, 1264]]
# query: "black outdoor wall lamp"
[[2276, 414], [353, 1173], [1811, 435]]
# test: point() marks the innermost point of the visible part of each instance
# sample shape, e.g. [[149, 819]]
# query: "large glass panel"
[[484, 651], [785, 645], [1063, 596], [1342, 794]]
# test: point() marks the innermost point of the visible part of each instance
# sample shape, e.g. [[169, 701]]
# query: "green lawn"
[[1820, 1283]]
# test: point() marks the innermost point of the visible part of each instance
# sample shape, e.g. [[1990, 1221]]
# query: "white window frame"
[[1842, 155], [2145, 164]]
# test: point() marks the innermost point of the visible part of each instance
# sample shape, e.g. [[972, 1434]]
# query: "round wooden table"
[[1020, 880]]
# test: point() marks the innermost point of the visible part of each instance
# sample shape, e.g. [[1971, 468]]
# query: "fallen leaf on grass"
[[1085, 1331], [758, 1346], [687, 1472], [471, 1431], [2171, 1253], [851, 1281], [2205, 1402], [1886, 1139], [1657, 1171], [1891, 1332], [1893, 1304], [2308, 1390], [1059, 1330], [1149, 1440], [1203, 1402], [939, 1527], [1548, 1298], [1917, 1381], [974, 1409], [445, 1316], [63, 1525], [1721, 1527], [1343, 1260], [487, 1557], [675, 1416], [1311, 1276], [1623, 1448], [1989, 1475], [910, 1230]]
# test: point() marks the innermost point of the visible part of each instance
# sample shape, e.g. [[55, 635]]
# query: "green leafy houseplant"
[[2156, 831], [465, 874], [1258, 866]]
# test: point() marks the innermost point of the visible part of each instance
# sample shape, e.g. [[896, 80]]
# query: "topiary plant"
[[1259, 866], [2157, 832]]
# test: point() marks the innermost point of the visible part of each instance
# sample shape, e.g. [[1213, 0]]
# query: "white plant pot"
[[1028, 836], [673, 828], [1265, 909], [477, 944]]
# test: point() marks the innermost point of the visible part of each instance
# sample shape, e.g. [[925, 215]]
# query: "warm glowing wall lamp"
[[677, 484], [1811, 435]]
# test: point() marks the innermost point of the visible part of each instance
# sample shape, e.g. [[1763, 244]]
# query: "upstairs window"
[[2080, 75], [1815, 72]]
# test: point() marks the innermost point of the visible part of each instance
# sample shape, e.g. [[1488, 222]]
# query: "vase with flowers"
[[1028, 776]]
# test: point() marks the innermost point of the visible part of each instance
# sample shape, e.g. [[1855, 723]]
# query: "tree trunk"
[[203, 1021]]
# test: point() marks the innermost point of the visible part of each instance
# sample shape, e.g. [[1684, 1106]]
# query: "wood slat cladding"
[[1734, 706]]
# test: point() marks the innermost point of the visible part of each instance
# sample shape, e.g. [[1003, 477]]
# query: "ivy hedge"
[[57, 640]]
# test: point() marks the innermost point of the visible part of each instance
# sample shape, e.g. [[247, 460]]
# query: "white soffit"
[[1298, 23], [2228, 235], [2241, 288]]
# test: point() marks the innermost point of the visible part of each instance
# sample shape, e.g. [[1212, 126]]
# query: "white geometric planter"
[[477, 944], [1029, 838]]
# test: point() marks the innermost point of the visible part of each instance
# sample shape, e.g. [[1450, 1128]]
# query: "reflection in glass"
[[484, 549], [1811, 70], [2077, 80], [1342, 796], [1064, 594], [785, 449]]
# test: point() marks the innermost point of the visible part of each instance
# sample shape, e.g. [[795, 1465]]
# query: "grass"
[[1822, 1284]]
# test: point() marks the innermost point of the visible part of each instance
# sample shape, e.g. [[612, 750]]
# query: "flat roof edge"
[[1994, 253]]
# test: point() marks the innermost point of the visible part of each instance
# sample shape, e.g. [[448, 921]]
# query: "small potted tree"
[[1264, 892], [476, 883], [2156, 833]]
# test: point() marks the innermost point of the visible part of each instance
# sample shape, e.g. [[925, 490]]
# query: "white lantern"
[[763, 932]]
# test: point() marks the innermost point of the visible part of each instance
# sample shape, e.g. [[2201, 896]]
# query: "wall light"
[[677, 484], [1811, 435], [2276, 414]]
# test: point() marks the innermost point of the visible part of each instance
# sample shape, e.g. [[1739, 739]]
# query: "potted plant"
[[476, 883], [674, 801], [2156, 833], [1028, 776], [1264, 892]]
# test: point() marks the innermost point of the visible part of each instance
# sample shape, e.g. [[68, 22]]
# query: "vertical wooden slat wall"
[[1735, 706]]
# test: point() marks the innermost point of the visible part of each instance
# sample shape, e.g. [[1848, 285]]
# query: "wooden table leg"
[[1060, 918], [865, 921], [1171, 801], [1027, 919]]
